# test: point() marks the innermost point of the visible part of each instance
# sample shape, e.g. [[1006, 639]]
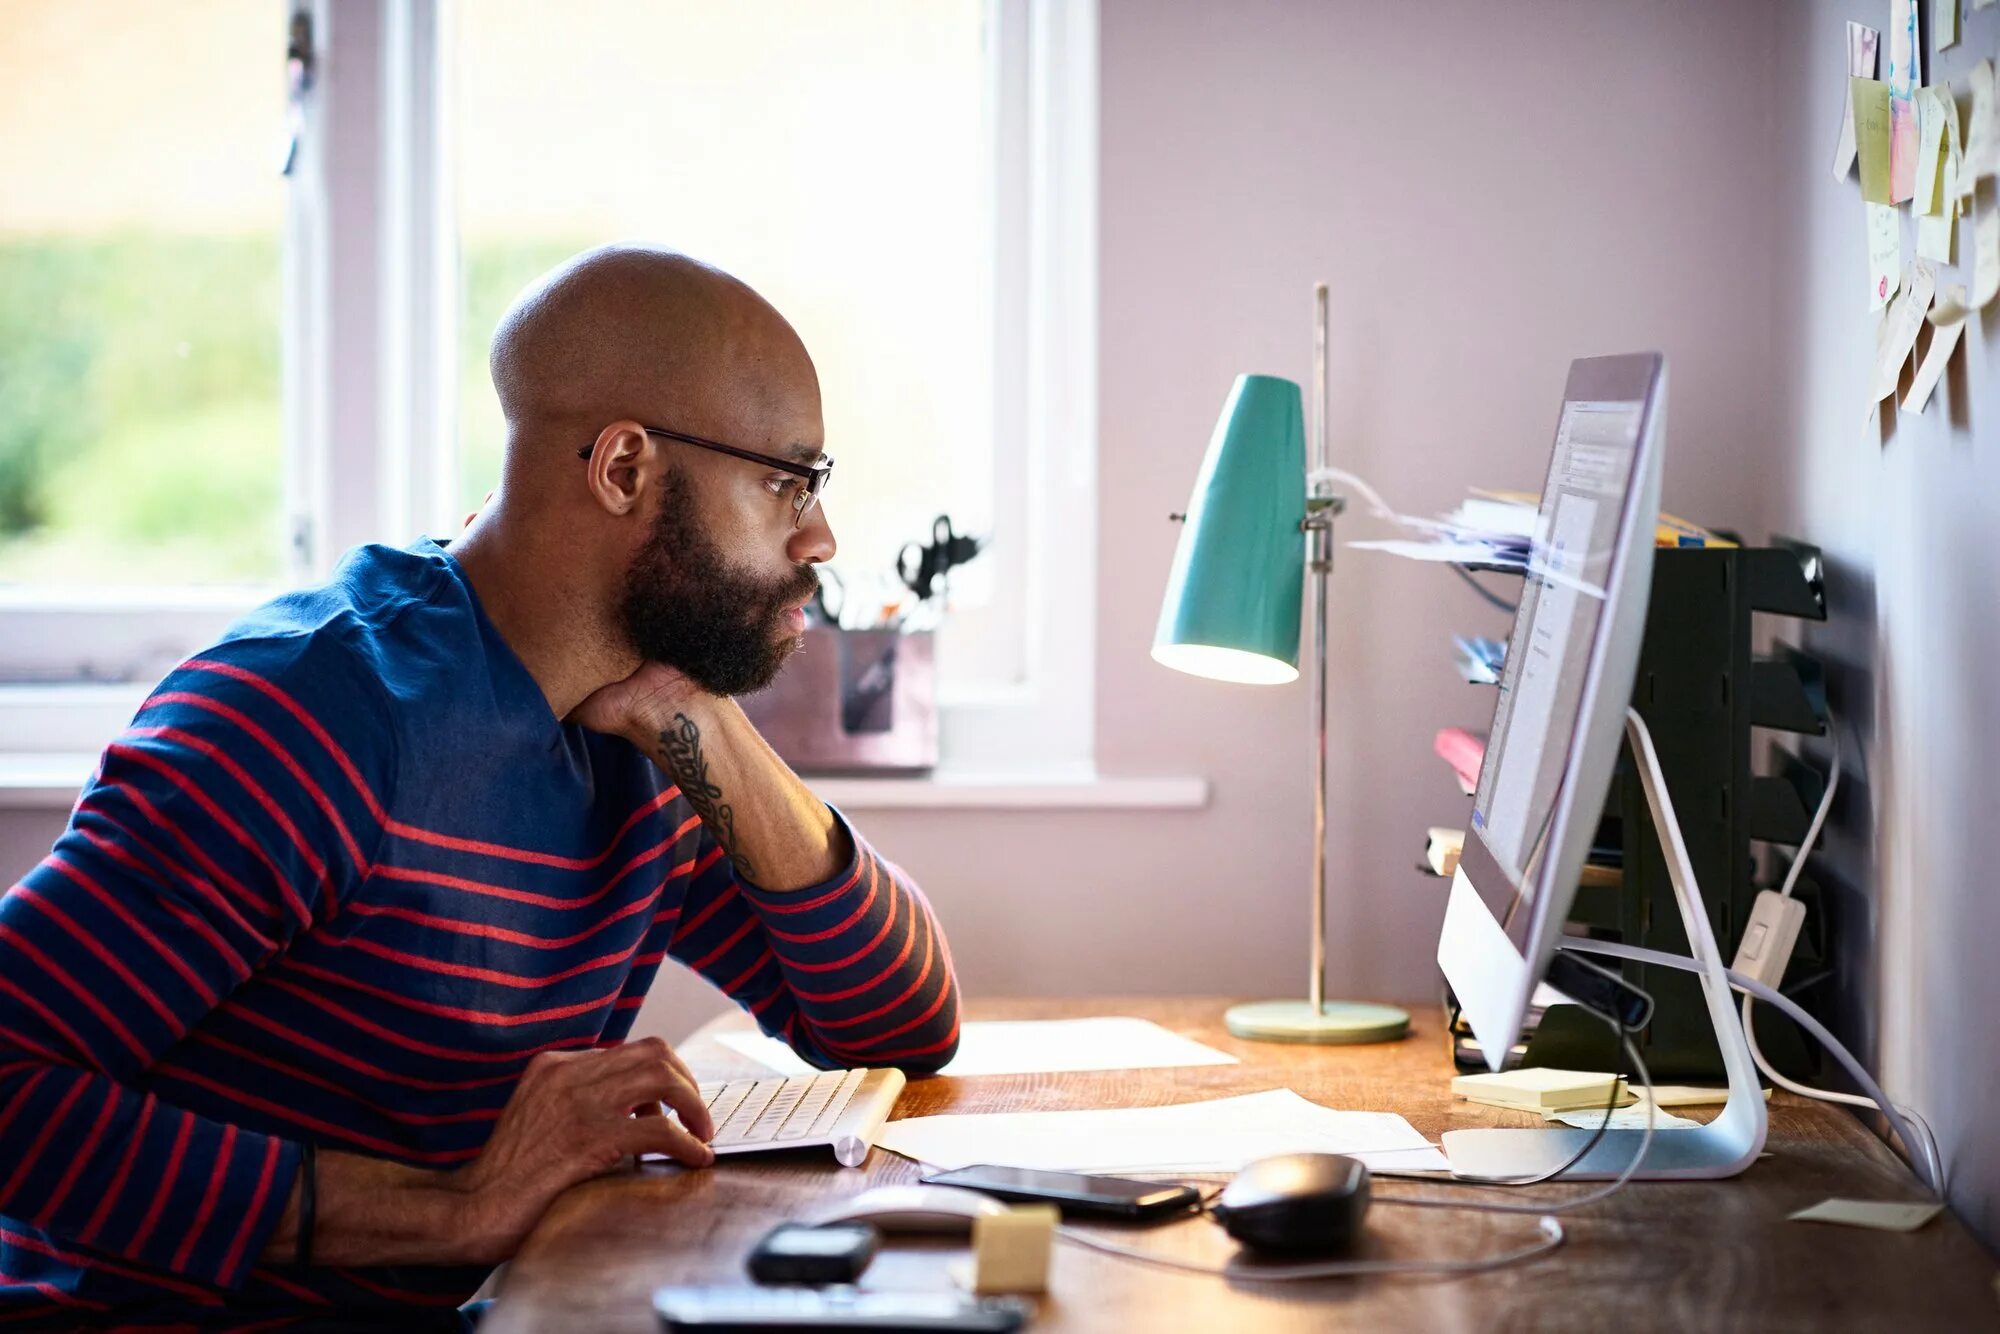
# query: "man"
[[387, 871]]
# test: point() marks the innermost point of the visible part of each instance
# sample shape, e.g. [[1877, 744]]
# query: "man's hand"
[[632, 708], [570, 1119]]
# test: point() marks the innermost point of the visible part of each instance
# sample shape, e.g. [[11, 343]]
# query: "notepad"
[[1541, 1089]]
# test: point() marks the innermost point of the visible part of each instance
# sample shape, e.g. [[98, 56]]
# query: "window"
[[140, 438], [910, 181]]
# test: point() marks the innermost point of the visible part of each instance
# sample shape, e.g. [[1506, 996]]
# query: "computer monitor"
[[1563, 694]]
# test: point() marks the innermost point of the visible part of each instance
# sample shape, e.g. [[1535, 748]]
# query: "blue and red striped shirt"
[[340, 878]]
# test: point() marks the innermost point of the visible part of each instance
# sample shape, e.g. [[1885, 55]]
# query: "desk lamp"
[[1257, 524]]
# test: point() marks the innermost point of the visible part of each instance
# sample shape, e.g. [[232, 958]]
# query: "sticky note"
[[1982, 130], [1884, 1215], [1871, 136], [1010, 1251], [1947, 319], [1906, 321], [1902, 81], [1934, 230], [1930, 150], [1861, 45], [1944, 22], [1985, 246], [1885, 253]]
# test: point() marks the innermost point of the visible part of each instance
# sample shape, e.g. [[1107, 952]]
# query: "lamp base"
[[1336, 1022]]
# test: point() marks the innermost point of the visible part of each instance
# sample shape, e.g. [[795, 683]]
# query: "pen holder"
[[852, 702]]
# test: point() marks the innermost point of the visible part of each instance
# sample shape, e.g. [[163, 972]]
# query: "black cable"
[[1484, 592]]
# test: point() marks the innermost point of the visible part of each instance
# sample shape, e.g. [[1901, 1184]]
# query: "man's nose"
[[812, 541]]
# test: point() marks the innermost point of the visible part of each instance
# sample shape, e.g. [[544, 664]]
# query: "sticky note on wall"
[[1871, 136], [1885, 253]]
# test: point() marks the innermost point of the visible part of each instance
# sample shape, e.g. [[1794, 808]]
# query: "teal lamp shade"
[[1232, 606]]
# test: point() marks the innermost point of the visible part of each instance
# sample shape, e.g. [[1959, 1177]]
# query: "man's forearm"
[[368, 1211], [779, 835]]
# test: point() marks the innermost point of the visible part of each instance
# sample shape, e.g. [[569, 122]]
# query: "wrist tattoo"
[[680, 746]]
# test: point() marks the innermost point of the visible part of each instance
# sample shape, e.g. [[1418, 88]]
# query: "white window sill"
[[49, 781]]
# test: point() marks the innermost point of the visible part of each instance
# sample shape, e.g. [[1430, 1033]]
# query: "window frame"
[[370, 389]]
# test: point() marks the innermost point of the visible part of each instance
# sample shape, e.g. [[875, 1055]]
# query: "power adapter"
[[1769, 936]]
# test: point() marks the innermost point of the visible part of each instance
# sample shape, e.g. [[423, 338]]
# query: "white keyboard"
[[839, 1109]]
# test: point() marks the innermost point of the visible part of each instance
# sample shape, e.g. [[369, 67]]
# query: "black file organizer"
[[1704, 693]]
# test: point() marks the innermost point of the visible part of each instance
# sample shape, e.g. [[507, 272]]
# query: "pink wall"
[[1490, 197]]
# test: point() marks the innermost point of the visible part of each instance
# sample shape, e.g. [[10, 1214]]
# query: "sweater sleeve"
[[231, 815], [850, 972]]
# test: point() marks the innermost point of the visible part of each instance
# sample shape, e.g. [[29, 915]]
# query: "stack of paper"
[[1220, 1135], [1541, 1089]]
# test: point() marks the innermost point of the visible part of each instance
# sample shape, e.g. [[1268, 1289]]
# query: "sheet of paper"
[[1930, 150], [1944, 23], [1902, 77], [1026, 1047], [1885, 254], [1947, 319], [1906, 321], [1982, 130], [1861, 46], [1631, 1117], [1985, 245], [1870, 99], [1219, 1135], [1468, 553], [1882, 1215]]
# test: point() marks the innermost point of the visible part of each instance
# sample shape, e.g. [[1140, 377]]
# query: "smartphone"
[[1074, 1192]]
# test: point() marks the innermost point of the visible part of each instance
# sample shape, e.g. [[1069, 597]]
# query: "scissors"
[[920, 566]]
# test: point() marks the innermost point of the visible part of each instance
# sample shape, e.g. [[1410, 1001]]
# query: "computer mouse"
[[937, 1209], [1296, 1203]]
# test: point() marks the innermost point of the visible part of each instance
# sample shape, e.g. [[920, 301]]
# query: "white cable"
[[1551, 1237], [1550, 1227], [1792, 1009], [1928, 1145]]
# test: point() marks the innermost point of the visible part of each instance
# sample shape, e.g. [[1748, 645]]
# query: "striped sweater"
[[341, 877]]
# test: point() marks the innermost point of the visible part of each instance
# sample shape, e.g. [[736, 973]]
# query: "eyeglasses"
[[815, 474]]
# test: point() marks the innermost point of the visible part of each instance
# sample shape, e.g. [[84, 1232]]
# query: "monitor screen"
[[1562, 598], [1559, 716]]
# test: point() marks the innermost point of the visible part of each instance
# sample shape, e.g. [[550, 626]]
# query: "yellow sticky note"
[[1930, 150], [1885, 253], [1934, 230], [1883, 1215], [1010, 1251], [1871, 136]]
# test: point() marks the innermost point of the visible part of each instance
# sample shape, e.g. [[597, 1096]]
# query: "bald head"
[[641, 333]]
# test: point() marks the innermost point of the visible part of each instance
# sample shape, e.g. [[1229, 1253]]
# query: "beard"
[[684, 604]]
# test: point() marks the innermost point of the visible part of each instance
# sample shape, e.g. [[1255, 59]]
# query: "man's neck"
[[556, 626]]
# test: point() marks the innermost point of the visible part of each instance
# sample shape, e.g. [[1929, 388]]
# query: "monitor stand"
[[1723, 1147]]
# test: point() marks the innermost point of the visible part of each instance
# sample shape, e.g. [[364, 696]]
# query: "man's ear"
[[620, 467]]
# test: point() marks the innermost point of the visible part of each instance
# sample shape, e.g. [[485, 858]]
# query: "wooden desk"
[[1670, 1256]]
